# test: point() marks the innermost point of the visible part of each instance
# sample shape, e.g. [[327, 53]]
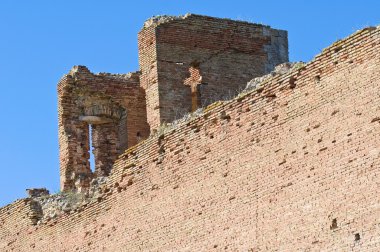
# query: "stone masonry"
[[292, 163], [186, 62], [191, 61], [112, 107]]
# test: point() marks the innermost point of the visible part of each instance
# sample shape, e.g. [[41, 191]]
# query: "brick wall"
[[226, 54], [114, 106], [186, 62], [148, 68], [291, 166]]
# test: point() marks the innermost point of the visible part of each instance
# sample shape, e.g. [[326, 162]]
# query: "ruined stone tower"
[[186, 62], [191, 61]]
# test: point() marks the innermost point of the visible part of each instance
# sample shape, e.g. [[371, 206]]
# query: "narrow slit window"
[[91, 149]]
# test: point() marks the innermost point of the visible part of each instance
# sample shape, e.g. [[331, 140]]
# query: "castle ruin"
[[188, 157], [186, 62]]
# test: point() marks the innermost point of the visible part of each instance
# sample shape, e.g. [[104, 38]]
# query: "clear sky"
[[42, 39]]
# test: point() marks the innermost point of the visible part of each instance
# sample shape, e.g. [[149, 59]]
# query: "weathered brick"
[[293, 165]]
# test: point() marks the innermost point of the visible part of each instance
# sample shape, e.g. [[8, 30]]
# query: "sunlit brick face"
[[228, 54], [293, 165], [107, 109]]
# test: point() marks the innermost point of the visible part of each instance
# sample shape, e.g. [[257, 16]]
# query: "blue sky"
[[41, 40]]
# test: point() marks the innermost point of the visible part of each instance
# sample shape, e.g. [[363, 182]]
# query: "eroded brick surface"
[[113, 106], [226, 54], [292, 165], [186, 63]]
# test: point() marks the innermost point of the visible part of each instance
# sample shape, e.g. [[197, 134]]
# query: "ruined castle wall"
[[119, 99], [20, 215], [293, 165], [72, 134], [226, 54], [148, 68]]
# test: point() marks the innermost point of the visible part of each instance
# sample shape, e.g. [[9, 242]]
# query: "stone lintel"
[[95, 119]]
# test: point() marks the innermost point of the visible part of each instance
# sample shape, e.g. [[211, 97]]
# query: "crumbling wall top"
[[157, 20], [242, 124], [162, 19], [79, 70]]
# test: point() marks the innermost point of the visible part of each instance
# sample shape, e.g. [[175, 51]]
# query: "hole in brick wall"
[[91, 149], [357, 237], [334, 224], [334, 112], [337, 49], [224, 116], [317, 79], [161, 150], [376, 119], [138, 136], [292, 82], [316, 126]]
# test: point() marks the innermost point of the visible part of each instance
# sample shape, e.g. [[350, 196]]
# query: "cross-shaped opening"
[[193, 81]]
